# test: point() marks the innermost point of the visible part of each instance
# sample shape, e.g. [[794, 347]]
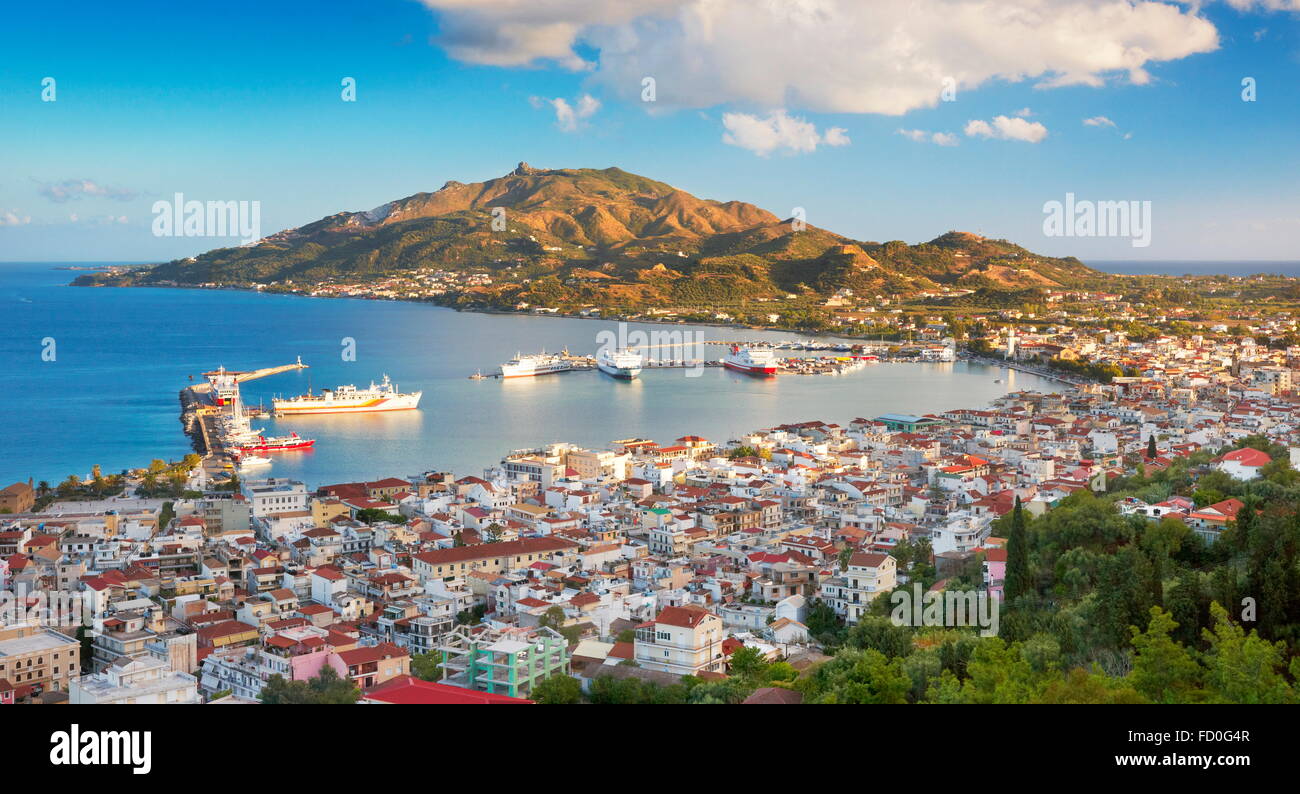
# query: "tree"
[[747, 662], [558, 689], [1244, 668], [325, 688], [427, 666], [1151, 447], [554, 618], [1018, 579], [855, 676], [1163, 670]]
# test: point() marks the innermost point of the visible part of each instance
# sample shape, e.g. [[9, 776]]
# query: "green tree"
[[1244, 668], [325, 688], [558, 689], [1018, 579], [1163, 671]]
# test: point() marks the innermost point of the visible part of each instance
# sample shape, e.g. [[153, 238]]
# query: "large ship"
[[750, 360], [624, 363], [382, 396], [540, 364], [274, 443], [223, 386]]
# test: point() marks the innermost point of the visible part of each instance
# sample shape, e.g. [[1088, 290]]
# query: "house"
[[684, 640], [130, 681], [868, 575], [372, 665], [17, 498], [488, 557], [1244, 463]]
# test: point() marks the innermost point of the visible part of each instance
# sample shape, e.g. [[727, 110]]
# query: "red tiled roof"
[[406, 690]]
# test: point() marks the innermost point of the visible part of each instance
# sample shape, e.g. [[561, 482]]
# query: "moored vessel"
[[383, 396], [528, 366], [625, 364], [275, 444], [750, 360]]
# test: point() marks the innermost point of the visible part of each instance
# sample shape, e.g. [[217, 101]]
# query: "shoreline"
[[507, 312]]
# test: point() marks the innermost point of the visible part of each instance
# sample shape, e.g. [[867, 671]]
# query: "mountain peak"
[[524, 169]]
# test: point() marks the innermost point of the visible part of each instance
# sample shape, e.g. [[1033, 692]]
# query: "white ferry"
[[532, 365], [624, 363], [383, 396]]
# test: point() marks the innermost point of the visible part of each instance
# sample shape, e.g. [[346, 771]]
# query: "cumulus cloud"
[[887, 56], [1098, 121], [12, 218], [1006, 128], [71, 189], [570, 117], [924, 136], [778, 132]]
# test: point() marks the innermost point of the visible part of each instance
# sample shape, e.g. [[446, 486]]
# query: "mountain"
[[571, 234]]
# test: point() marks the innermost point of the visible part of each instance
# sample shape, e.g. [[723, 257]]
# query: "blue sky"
[[241, 101]]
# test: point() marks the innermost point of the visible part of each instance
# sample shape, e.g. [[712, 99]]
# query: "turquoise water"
[[122, 356]]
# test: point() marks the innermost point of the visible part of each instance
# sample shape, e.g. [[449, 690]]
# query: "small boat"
[[253, 461], [477, 375]]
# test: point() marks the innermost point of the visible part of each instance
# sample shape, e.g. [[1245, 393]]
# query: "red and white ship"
[[274, 443], [750, 360]]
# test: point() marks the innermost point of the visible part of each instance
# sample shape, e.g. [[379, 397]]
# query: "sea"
[[91, 376]]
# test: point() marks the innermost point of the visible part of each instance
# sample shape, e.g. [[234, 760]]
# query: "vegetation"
[[326, 688]]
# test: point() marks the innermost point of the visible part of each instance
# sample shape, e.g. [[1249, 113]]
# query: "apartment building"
[[868, 576], [131, 681], [489, 557], [685, 640], [35, 659]]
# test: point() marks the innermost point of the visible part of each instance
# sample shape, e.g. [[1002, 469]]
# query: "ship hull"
[[505, 373], [622, 373], [285, 448], [761, 372]]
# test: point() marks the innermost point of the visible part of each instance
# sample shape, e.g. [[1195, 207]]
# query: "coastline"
[[502, 311]]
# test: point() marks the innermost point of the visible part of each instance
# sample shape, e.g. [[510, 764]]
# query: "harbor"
[[741, 356], [215, 418]]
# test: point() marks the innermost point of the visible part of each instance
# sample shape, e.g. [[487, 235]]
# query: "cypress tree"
[[1151, 446], [1017, 580]]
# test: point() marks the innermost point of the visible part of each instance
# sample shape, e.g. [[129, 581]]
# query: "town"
[[688, 571]]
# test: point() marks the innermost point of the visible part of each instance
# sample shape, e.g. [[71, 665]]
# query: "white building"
[[129, 681], [276, 495]]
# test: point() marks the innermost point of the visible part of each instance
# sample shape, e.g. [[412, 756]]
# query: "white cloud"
[[886, 56], [836, 136], [1266, 5], [1098, 121], [778, 131], [939, 138], [1007, 128], [70, 189], [1024, 113], [12, 218], [570, 117]]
